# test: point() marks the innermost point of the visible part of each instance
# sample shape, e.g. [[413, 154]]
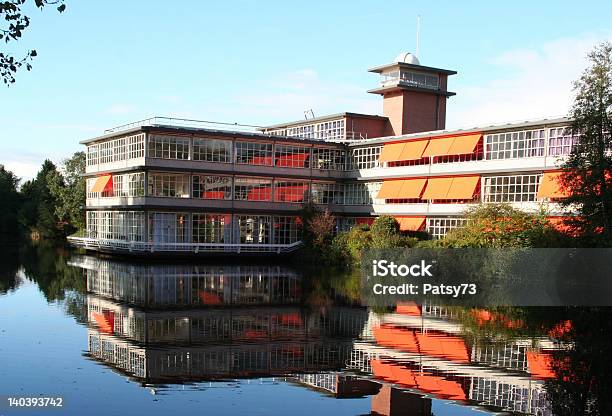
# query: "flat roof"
[[399, 86], [214, 132], [381, 68], [477, 129], [321, 118]]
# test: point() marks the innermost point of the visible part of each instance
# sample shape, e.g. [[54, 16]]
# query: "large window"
[[254, 229], [514, 144], [212, 228], [168, 185], [168, 227], [252, 189], [515, 188], [327, 130], [287, 230], [114, 150], [254, 153], [287, 156], [168, 147], [328, 158], [561, 141], [326, 193], [365, 157], [116, 225], [92, 154], [439, 227], [212, 150], [412, 78], [357, 194], [290, 191], [136, 146], [212, 187]]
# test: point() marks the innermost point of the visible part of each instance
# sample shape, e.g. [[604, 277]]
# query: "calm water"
[[125, 337]]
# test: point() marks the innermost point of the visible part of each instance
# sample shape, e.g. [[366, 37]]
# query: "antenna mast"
[[418, 35]]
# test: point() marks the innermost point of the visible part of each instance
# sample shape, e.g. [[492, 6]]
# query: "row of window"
[[511, 145], [412, 78], [173, 185], [505, 188], [178, 227], [124, 148], [124, 185], [326, 130]]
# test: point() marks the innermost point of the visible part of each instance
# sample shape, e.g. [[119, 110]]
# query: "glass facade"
[[168, 185], [212, 228], [254, 153], [561, 141], [290, 191], [326, 193], [511, 188], [212, 150], [168, 147], [197, 228], [252, 189], [212, 187], [124, 185], [513, 145], [289, 156]]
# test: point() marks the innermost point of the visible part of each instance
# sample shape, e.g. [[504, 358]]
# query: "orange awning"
[[439, 147], [413, 150], [463, 187], [391, 152], [410, 223], [464, 144], [401, 189], [390, 189], [412, 188], [550, 186], [437, 188], [101, 183], [457, 145]]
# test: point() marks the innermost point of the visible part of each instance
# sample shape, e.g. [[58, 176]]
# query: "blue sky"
[[102, 64]]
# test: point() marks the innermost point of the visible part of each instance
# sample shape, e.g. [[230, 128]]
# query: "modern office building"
[[166, 185]]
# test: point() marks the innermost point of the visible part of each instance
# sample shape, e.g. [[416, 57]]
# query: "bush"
[[499, 226], [385, 232]]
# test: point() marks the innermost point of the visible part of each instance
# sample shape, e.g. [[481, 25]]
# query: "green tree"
[[499, 226], [68, 189], [15, 23], [9, 204], [37, 212], [588, 168]]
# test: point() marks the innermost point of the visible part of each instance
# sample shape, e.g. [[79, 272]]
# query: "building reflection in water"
[[164, 324]]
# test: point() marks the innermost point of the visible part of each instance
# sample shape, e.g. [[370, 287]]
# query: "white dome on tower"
[[407, 58]]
